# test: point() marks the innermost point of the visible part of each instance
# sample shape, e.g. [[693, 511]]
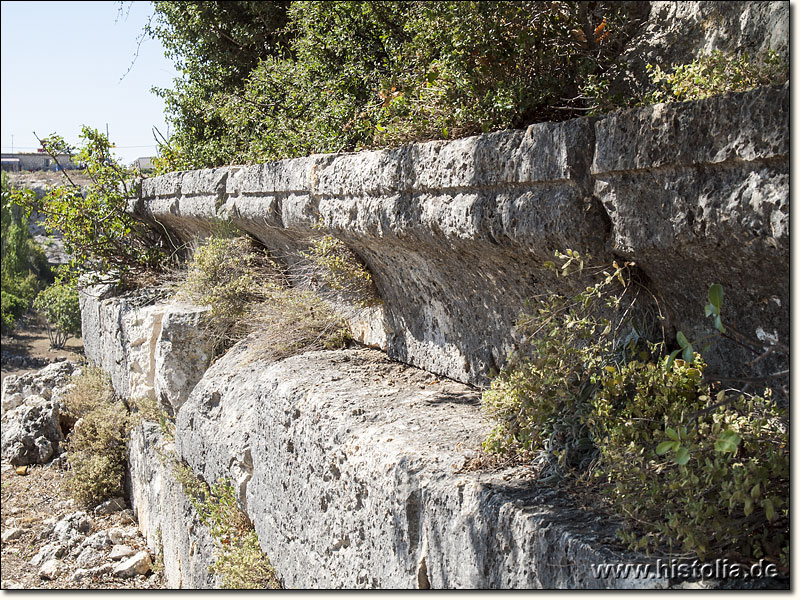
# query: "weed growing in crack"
[[239, 560]]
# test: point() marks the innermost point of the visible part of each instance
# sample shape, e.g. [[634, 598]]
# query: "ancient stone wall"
[[349, 464], [455, 233]]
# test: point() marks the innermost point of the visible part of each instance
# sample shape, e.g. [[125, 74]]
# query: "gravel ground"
[[30, 500]]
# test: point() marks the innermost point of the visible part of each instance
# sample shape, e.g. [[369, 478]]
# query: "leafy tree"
[[102, 237], [345, 75], [58, 304], [23, 265], [215, 46]]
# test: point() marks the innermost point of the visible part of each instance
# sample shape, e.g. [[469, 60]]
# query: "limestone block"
[[31, 432], [181, 354], [347, 464]]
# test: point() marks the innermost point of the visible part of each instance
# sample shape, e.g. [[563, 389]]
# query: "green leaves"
[[667, 446], [58, 304], [670, 450], [727, 441], [688, 350], [674, 445], [681, 456], [271, 80], [102, 238], [769, 509], [714, 306], [715, 296], [713, 74]]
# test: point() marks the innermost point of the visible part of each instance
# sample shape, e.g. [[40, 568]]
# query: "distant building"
[[145, 164], [35, 161]]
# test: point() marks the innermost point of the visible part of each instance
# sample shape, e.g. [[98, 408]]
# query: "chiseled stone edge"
[[351, 482], [506, 198]]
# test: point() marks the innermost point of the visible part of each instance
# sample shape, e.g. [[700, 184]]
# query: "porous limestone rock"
[[349, 467], [31, 432], [695, 198], [48, 552], [51, 569], [121, 551], [13, 533], [110, 506], [89, 557], [138, 564], [456, 233], [98, 540], [182, 354], [150, 350], [71, 529], [49, 382], [165, 514]]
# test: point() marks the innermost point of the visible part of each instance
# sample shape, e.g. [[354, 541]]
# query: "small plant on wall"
[[247, 292], [239, 560], [689, 463]]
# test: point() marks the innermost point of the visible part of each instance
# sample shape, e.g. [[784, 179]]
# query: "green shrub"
[[59, 305], [687, 463], [707, 471], [97, 444], [539, 400], [12, 307], [90, 390], [239, 560], [23, 264], [716, 73], [346, 75], [148, 409]]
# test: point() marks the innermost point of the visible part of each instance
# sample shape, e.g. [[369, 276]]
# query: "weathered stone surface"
[[182, 354], [104, 340], [71, 529], [345, 464], [31, 432], [49, 382], [138, 564], [90, 557], [110, 506], [150, 350], [48, 552], [51, 569], [80, 574], [13, 533], [741, 128], [165, 515], [455, 233], [675, 33], [99, 540], [119, 535], [121, 551], [700, 196]]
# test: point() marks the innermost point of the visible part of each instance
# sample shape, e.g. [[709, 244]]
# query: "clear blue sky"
[[61, 69]]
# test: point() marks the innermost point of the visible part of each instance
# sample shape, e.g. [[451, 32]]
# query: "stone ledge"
[[740, 127], [455, 233], [347, 465]]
